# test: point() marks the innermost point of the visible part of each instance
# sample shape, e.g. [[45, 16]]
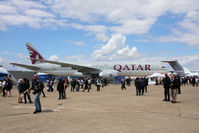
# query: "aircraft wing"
[[83, 69], [26, 66]]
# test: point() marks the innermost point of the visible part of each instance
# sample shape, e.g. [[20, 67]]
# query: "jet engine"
[[108, 74]]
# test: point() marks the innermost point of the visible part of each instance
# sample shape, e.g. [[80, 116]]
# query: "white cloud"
[[101, 37], [76, 43], [114, 50], [134, 26], [26, 4], [75, 58], [54, 58], [187, 31], [2, 26], [102, 17], [37, 13], [125, 54], [116, 42], [7, 9]]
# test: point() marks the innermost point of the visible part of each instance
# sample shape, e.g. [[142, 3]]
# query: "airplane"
[[5, 74], [39, 66], [103, 69], [182, 71]]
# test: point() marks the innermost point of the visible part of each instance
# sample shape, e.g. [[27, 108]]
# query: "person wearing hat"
[[37, 86]]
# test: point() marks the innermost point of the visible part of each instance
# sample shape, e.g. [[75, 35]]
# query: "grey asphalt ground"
[[109, 111]]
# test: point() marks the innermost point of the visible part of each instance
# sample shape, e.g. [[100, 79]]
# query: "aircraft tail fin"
[[34, 54], [176, 66]]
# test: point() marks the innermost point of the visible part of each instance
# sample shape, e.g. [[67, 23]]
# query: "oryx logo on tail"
[[34, 54]]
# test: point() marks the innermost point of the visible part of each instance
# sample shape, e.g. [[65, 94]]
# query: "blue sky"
[[101, 30]]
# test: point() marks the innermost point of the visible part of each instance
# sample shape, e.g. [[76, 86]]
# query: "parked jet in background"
[[5, 74], [183, 71], [105, 70]]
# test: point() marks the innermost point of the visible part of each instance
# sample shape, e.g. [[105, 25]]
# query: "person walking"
[[174, 87], [86, 85], [37, 86], [166, 84]]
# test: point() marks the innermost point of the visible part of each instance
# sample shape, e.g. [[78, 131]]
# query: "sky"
[[100, 31]]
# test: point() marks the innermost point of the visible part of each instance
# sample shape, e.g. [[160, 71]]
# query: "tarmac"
[[111, 110]]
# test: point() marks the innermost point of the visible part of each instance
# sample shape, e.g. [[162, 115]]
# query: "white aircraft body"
[[105, 70]]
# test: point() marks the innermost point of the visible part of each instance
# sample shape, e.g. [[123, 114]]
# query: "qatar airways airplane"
[[105, 70]]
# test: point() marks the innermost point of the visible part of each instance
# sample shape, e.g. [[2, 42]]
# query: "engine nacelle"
[[108, 74]]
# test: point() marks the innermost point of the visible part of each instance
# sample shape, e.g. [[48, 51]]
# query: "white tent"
[[156, 75], [152, 78]]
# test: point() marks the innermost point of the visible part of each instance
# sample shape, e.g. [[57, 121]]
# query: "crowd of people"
[[171, 85], [190, 80], [6, 86]]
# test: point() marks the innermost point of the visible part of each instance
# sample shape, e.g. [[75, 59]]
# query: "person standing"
[[166, 84], [145, 83], [82, 83], [1, 86], [4, 85], [9, 86], [89, 83], [77, 85], [98, 84], [179, 84], [142, 85], [60, 88], [67, 82], [138, 86], [21, 89], [37, 86], [174, 87], [196, 81], [26, 85], [123, 83]]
